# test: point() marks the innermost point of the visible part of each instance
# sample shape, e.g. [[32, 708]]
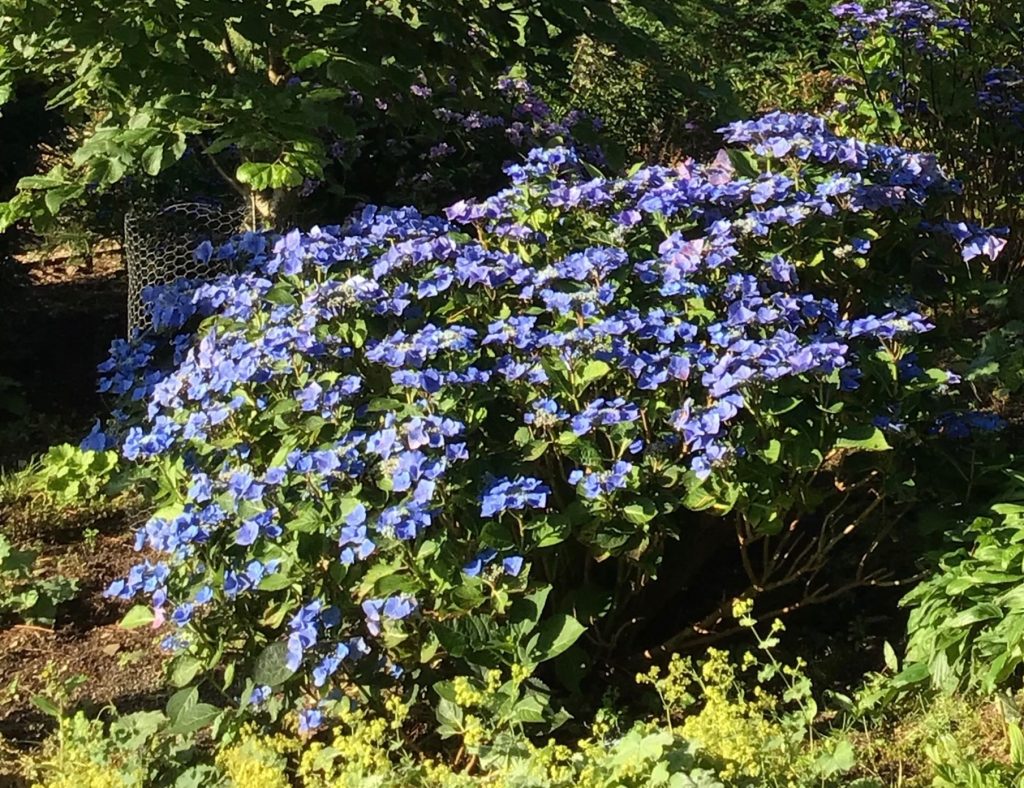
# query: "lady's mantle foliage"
[[379, 430]]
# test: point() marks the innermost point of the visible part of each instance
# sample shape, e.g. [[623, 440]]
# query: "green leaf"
[[891, 662], [41, 182], [865, 438], [778, 404], [1016, 737], [133, 731], [185, 668], [449, 715], [641, 512], [535, 450], [138, 616], [838, 761], [179, 146], [193, 718], [284, 175], [526, 611], [270, 667], [772, 452], [180, 701], [594, 370], [47, 706], [320, 5], [152, 159], [311, 60], [555, 635], [257, 175], [276, 581], [57, 196]]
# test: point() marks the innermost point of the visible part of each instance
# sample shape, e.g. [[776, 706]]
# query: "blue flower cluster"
[[918, 22], [354, 381], [1003, 92], [594, 484], [959, 425], [508, 494]]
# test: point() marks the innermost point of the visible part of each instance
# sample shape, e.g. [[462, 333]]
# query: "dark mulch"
[[123, 668]]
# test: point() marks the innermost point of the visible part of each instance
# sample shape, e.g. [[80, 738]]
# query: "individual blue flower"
[[394, 608], [512, 565], [595, 483], [310, 720], [97, 439], [474, 567], [260, 695], [329, 664]]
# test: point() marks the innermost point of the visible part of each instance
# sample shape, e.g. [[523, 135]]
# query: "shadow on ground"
[[56, 324]]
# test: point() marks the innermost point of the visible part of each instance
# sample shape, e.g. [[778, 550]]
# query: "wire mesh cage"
[[159, 247]]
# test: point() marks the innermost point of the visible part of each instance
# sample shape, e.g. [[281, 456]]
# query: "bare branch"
[[242, 191]]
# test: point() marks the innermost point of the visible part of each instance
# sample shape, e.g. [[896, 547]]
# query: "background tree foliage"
[[256, 87]]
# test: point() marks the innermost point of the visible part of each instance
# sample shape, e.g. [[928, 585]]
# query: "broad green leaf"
[[865, 438], [133, 731], [641, 512], [193, 718], [594, 370], [270, 667], [185, 668], [152, 159], [257, 175], [180, 701], [138, 616], [555, 635]]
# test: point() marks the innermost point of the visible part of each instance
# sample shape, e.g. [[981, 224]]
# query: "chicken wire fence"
[[159, 247]]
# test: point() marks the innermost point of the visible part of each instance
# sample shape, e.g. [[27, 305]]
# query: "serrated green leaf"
[[271, 668]]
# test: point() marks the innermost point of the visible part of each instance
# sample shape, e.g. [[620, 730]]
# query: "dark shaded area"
[[56, 325], [56, 321], [26, 128]]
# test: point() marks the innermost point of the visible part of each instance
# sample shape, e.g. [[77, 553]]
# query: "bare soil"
[[56, 323]]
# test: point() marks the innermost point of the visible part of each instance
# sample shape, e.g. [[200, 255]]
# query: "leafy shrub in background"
[[947, 77], [433, 144], [408, 448], [265, 94], [724, 62]]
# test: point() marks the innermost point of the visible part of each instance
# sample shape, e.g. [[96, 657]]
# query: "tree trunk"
[[272, 209]]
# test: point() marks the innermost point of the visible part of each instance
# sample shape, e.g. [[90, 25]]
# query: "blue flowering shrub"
[[410, 448]]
